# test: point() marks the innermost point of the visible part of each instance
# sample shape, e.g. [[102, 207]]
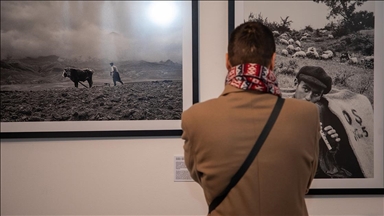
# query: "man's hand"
[[332, 133], [330, 137], [329, 131]]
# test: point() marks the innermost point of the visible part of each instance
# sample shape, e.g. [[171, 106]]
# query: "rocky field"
[[149, 100]]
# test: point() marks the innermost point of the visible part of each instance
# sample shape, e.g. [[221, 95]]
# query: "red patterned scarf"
[[253, 76]]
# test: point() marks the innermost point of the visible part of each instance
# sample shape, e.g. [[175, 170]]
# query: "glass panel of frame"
[[97, 68], [347, 44]]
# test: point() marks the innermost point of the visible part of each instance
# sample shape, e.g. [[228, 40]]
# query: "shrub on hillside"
[[341, 78], [358, 42], [308, 28], [287, 68]]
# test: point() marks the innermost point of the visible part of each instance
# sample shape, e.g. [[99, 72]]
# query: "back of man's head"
[[251, 42]]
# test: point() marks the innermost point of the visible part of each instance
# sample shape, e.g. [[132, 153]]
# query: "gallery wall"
[[134, 176]]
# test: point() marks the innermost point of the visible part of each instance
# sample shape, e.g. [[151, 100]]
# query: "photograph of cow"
[[79, 75], [338, 38], [48, 48]]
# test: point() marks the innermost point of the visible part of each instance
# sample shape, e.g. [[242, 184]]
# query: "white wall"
[[129, 176]]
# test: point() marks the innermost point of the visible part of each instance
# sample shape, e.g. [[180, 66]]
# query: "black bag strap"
[[248, 161]]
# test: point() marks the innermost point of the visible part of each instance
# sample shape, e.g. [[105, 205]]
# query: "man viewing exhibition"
[[243, 169]]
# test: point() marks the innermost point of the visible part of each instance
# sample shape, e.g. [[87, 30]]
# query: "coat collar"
[[231, 89]]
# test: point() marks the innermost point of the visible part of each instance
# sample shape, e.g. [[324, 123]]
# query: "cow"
[[79, 75]]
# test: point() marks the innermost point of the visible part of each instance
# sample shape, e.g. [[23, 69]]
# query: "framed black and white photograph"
[[97, 68], [336, 42]]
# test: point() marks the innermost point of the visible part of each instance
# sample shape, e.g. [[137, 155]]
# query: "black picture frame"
[[312, 191], [130, 133]]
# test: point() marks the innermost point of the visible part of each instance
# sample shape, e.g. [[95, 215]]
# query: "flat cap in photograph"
[[315, 76]]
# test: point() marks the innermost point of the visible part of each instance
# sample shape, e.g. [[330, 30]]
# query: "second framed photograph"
[[339, 38], [97, 68]]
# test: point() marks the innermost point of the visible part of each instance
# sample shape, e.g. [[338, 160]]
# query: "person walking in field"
[[115, 74]]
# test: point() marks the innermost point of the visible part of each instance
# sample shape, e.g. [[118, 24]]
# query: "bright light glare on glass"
[[162, 12]]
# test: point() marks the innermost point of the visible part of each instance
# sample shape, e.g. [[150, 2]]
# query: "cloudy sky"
[[125, 30], [302, 13]]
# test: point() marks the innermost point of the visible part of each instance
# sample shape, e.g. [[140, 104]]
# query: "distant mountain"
[[151, 70], [16, 66], [50, 58], [169, 62], [47, 69], [17, 72]]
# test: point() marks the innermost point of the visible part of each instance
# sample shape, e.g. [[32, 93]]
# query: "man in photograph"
[[115, 74], [337, 157]]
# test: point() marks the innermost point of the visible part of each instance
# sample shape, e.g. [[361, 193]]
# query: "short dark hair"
[[251, 42]]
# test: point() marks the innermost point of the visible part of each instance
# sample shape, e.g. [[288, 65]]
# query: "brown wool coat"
[[220, 133]]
